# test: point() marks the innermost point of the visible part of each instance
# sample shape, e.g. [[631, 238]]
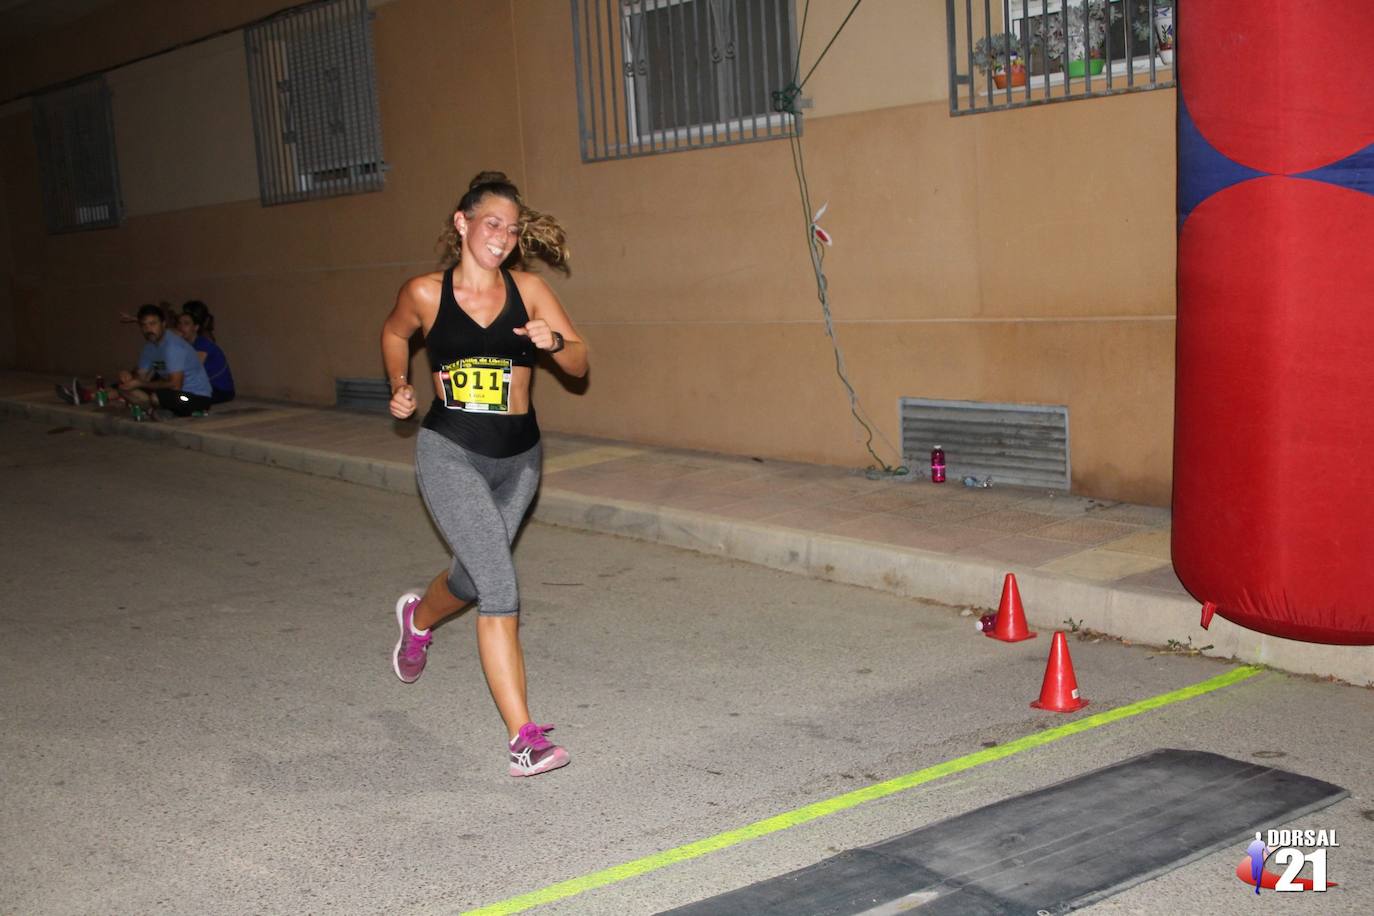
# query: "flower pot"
[[1164, 27], [1166, 56], [1096, 64], [1018, 78]]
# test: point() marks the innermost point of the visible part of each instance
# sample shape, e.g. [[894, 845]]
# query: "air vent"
[[1022, 444], [370, 394]]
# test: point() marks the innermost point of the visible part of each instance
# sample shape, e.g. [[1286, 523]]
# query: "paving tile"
[[988, 498], [939, 510], [1021, 550], [797, 469], [566, 477], [750, 488], [894, 499], [239, 419], [854, 487], [720, 478], [815, 518], [638, 469], [1063, 505], [1153, 516], [1154, 543], [886, 528], [759, 507], [568, 460], [698, 502], [588, 486], [1011, 521], [640, 490], [1101, 565], [1086, 531], [1163, 579]]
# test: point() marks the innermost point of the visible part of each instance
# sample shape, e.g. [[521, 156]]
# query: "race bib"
[[478, 383]]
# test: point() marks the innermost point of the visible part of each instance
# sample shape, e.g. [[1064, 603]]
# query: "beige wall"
[[183, 128], [891, 52], [299, 291], [1023, 256], [1020, 256]]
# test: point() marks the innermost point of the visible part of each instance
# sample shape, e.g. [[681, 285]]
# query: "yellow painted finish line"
[[811, 812]]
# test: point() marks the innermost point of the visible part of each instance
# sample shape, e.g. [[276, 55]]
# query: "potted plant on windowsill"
[[1078, 45], [1162, 27], [1000, 55]]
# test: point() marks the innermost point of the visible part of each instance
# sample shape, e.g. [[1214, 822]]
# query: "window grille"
[[1016, 53], [657, 76], [74, 133], [313, 91]]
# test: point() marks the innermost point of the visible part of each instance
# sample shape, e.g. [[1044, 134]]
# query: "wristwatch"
[[558, 343]]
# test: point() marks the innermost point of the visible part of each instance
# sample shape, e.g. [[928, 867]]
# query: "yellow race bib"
[[477, 383]]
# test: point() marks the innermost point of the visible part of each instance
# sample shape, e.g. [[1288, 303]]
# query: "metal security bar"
[[658, 76], [1022, 444], [74, 133], [1015, 53], [313, 90]]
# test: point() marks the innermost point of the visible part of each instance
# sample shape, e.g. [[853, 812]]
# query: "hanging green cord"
[[823, 294], [801, 40], [785, 101]]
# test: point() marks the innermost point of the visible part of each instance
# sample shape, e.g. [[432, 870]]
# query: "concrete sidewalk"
[[1079, 562]]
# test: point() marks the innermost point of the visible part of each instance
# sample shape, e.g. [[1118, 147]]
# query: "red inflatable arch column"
[[1274, 432]]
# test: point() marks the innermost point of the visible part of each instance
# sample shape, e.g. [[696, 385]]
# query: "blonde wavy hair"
[[541, 236]]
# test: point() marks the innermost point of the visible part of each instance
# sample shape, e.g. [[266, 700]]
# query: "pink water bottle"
[[937, 465]]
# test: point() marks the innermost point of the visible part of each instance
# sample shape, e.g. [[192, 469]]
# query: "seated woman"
[[197, 325]]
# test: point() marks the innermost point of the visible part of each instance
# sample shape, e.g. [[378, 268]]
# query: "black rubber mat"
[[1048, 851]]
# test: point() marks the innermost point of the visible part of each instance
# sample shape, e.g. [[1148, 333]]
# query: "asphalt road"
[[199, 713]]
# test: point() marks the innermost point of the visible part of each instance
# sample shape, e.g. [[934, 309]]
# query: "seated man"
[[169, 375]]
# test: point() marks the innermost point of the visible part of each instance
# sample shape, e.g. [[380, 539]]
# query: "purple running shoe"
[[531, 753], [409, 656]]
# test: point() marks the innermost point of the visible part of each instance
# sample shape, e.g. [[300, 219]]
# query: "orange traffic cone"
[[1011, 618], [1059, 692]]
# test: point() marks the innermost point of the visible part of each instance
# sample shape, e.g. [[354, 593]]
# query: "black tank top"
[[455, 335], [474, 364]]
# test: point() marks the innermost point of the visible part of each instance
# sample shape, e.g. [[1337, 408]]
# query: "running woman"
[[477, 457]]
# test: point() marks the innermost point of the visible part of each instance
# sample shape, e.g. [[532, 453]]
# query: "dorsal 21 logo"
[[1288, 848]]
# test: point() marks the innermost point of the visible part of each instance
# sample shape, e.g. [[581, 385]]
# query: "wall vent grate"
[[1022, 444]]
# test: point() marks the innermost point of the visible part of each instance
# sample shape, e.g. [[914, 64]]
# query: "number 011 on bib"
[[478, 383]]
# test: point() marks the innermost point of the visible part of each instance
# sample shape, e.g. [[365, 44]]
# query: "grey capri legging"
[[478, 504]]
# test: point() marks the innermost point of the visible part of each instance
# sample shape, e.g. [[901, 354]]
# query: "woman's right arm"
[[399, 327]]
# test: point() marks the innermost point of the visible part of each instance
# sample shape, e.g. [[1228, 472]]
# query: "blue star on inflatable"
[[1355, 171], [1202, 169]]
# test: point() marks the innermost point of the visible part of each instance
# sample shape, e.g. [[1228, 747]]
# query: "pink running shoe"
[[531, 753], [412, 648]]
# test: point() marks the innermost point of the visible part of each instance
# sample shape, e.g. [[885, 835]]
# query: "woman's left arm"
[[549, 325]]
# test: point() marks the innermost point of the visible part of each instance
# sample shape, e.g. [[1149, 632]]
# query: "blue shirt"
[[173, 354], [216, 364]]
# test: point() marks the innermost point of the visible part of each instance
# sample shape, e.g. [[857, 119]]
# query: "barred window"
[[74, 133], [657, 76], [313, 90], [1014, 53]]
